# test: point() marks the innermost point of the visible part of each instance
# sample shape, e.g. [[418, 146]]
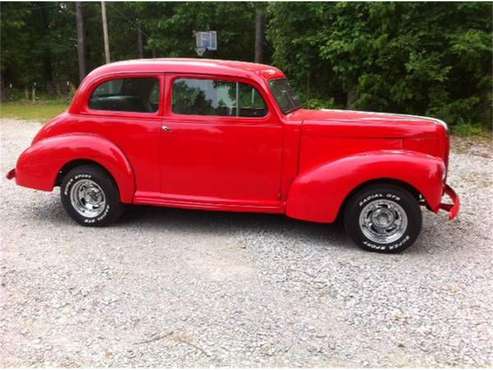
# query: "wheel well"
[[80, 162], [384, 181]]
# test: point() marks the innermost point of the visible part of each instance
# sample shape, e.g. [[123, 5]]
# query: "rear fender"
[[39, 165], [318, 194]]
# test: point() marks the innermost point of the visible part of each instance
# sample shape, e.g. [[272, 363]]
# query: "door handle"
[[165, 128]]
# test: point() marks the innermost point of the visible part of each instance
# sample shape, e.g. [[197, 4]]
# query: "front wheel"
[[90, 196], [383, 218]]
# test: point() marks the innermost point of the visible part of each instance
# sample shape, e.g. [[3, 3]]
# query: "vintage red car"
[[232, 136]]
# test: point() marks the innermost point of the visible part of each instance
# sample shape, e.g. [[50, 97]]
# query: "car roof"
[[191, 65]]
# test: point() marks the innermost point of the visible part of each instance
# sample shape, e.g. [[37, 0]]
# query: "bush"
[[416, 58]]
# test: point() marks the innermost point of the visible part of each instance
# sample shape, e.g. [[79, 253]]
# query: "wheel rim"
[[87, 198], [383, 221]]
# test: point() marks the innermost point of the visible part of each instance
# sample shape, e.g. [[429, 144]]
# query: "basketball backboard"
[[206, 40]]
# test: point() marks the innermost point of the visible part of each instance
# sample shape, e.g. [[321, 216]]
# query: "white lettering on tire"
[[386, 247], [99, 218], [378, 195]]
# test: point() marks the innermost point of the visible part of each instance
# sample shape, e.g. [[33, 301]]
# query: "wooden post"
[[105, 33], [80, 40], [259, 35]]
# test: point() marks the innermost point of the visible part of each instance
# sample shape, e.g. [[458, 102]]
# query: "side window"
[[127, 95], [216, 98], [204, 97], [250, 102]]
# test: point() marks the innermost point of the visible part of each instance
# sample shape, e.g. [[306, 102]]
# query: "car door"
[[127, 110], [221, 144]]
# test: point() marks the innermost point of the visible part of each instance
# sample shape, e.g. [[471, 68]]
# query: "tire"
[[90, 196], [383, 218]]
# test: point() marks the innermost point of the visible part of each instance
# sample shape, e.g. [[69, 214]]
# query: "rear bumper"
[[452, 209], [11, 174]]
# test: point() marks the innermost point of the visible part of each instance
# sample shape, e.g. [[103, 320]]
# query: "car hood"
[[366, 124]]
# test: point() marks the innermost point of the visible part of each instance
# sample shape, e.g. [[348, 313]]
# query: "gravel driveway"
[[180, 288]]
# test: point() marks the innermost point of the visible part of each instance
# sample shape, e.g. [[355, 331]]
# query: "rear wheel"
[[90, 196], [383, 218]]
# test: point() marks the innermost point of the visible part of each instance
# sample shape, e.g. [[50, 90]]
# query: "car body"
[[231, 136]]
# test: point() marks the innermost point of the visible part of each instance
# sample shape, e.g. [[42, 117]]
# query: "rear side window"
[[127, 95], [216, 98]]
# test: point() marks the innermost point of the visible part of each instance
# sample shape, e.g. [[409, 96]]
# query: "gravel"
[[175, 288]]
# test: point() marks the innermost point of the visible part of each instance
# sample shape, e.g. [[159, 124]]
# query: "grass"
[[41, 110], [468, 129]]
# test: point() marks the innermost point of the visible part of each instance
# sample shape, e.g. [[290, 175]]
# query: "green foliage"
[[38, 40], [38, 45], [420, 58], [469, 129], [171, 34], [314, 103], [426, 58]]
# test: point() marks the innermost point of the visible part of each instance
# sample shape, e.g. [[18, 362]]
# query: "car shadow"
[[201, 222], [163, 219], [216, 222]]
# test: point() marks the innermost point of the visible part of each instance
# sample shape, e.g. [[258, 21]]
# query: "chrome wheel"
[[87, 198], [383, 221]]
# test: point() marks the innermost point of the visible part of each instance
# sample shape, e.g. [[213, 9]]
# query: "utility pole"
[[81, 47], [259, 35], [105, 33]]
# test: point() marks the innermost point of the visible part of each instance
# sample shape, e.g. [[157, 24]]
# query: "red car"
[[232, 136]]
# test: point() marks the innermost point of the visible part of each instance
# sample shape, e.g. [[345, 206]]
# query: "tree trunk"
[[2, 89], [140, 42], [81, 47], [352, 96], [259, 35], [47, 59], [105, 33]]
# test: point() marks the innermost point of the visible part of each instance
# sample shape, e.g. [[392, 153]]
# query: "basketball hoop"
[[205, 41], [200, 51]]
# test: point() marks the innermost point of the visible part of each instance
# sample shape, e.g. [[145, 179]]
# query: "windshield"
[[286, 98]]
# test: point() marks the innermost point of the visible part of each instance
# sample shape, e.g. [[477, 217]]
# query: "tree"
[[105, 33], [294, 32], [13, 43], [259, 34], [171, 28], [420, 58], [81, 46], [38, 45]]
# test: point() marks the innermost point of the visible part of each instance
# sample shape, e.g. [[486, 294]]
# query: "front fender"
[[318, 194], [39, 165]]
